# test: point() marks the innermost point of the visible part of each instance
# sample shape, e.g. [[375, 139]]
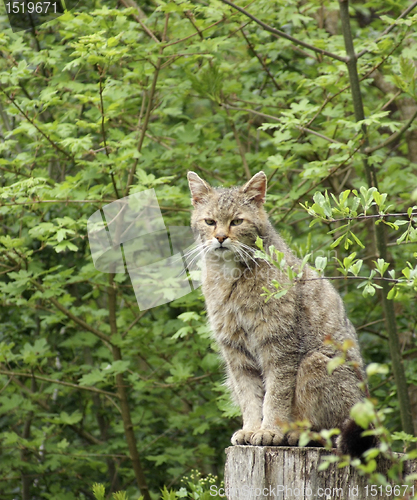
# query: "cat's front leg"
[[246, 384], [279, 385], [248, 390]]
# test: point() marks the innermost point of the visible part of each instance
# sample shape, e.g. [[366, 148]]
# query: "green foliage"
[[323, 210], [195, 487], [99, 491], [107, 101]]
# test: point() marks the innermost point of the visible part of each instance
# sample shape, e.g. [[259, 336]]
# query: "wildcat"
[[275, 352]]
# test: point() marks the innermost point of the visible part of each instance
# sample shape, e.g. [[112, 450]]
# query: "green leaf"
[[187, 317], [403, 436], [407, 69], [63, 444], [72, 419], [358, 241], [381, 266], [280, 294], [369, 289], [99, 491], [363, 413], [392, 293], [356, 267], [65, 245], [322, 204], [92, 378], [36, 353], [326, 461], [376, 368], [320, 263], [120, 495], [259, 243], [304, 439], [337, 241], [335, 363]]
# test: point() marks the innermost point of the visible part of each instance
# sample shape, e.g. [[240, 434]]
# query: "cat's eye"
[[210, 222], [236, 222]]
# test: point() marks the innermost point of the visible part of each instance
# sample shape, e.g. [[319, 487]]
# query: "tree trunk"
[[282, 473]]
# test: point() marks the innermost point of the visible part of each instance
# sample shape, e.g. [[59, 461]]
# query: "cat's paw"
[[267, 437], [293, 437], [242, 437]]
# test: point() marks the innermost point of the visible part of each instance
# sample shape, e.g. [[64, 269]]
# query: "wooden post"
[[285, 473]]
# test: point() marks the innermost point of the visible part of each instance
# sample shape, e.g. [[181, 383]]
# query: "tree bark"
[[124, 403], [380, 230], [281, 473]]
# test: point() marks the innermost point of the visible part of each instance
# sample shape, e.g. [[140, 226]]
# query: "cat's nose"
[[221, 237]]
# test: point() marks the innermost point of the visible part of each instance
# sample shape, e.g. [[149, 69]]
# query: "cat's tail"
[[351, 441]]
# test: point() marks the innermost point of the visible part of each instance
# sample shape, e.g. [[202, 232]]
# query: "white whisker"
[[195, 253], [240, 249], [245, 252], [254, 250], [193, 250], [202, 250]]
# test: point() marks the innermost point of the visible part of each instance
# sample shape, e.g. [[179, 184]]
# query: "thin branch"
[[32, 122], [194, 34], [60, 382], [367, 75], [210, 173], [316, 184], [240, 146], [148, 109], [248, 110], [138, 17], [103, 130], [10, 269], [363, 278], [15, 173], [299, 127], [138, 318], [393, 137], [373, 216], [380, 230], [262, 63], [322, 136], [351, 63], [159, 141], [189, 15], [205, 29], [183, 382], [6, 384], [370, 324], [74, 318], [123, 396], [81, 432], [113, 402], [281, 34], [389, 28], [33, 202], [132, 3], [82, 455]]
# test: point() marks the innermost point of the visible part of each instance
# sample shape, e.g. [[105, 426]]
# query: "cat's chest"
[[235, 303]]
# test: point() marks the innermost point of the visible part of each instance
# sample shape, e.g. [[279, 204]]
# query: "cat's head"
[[229, 220]]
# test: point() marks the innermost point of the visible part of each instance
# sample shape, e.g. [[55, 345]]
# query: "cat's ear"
[[255, 189], [199, 188]]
